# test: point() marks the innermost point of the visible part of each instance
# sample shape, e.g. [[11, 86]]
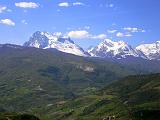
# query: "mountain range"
[[44, 79], [32, 77], [106, 49]]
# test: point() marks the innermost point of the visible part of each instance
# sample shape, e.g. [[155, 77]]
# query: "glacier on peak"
[[111, 49], [46, 40], [151, 51], [105, 49]]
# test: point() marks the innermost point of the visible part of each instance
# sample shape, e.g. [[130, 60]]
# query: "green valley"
[[58, 86]]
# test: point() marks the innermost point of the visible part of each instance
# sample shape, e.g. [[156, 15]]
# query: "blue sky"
[[87, 22]]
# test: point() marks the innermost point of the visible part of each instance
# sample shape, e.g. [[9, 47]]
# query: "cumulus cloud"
[[111, 31], [7, 22], [80, 34], [83, 34], [129, 31], [27, 5], [24, 22], [78, 4], [133, 29], [64, 4], [143, 31], [100, 36], [2, 9], [120, 34]]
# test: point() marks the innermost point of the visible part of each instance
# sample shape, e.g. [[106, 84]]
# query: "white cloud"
[[7, 22], [100, 36], [143, 31], [78, 4], [9, 10], [83, 34], [120, 34], [111, 31], [24, 22], [128, 31], [2, 9], [64, 4], [27, 5], [133, 29]]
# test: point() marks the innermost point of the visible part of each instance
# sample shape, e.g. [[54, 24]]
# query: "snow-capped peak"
[[109, 48], [152, 51], [112, 45], [105, 49], [46, 40]]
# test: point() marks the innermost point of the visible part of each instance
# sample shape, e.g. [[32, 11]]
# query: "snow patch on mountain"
[[46, 40], [151, 51], [111, 49], [105, 49]]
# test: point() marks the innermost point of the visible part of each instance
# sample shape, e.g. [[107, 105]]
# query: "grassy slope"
[[48, 83], [32, 77], [134, 97], [15, 116]]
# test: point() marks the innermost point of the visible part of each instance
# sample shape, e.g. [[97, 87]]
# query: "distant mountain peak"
[[112, 49], [46, 40], [10, 46], [106, 49], [152, 51]]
